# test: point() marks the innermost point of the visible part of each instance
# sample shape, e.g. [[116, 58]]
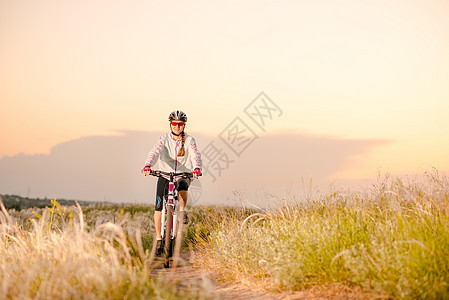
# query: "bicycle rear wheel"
[[168, 236]]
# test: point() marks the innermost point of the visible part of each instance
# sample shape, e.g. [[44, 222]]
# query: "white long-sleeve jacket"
[[165, 153]]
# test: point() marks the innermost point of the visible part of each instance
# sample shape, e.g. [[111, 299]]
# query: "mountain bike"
[[169, 215]]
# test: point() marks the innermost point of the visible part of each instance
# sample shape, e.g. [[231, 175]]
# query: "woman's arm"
[[198, 163], [153, 155]]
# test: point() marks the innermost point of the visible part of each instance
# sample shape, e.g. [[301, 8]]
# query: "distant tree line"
[[18, 202]]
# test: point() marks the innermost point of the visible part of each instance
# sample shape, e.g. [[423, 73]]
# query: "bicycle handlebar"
[[183, 174]]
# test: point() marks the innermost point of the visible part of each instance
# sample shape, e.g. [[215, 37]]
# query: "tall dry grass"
[[391, 240], [57, 258]]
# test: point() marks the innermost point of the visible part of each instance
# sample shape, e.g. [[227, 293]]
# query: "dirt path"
[[190, 278]]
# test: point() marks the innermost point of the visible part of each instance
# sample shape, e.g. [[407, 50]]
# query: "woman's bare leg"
[[157, 223], [182, 198]]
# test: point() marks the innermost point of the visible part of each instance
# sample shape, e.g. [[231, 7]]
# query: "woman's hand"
[[146, 170], [196, 173]]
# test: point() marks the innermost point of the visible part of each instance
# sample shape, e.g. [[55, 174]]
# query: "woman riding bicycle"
[[176, 152]]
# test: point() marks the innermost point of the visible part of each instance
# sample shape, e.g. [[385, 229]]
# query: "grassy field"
[[62, 253], [390, 241]]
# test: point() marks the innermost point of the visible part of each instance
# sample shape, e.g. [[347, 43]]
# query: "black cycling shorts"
[[162, 189]]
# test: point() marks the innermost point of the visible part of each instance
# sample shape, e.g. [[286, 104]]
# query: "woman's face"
[[177, 126]]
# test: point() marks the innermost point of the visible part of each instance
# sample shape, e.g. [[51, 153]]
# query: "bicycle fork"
[[170, 201]]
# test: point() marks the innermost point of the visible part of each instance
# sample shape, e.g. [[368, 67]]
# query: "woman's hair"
[[182, 151]]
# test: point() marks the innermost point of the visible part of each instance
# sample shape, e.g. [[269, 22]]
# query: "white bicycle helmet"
[[177, 115]]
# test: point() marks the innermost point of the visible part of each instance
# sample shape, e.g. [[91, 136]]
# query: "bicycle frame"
[[169, 215], [171, 200]]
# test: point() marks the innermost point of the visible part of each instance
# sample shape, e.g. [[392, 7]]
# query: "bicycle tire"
[[168, 234], [177, 243]]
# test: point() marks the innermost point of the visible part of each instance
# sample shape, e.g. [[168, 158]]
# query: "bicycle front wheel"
[[168, 236]]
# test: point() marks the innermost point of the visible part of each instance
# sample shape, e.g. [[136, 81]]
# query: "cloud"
[[274, 163], [107, 168]]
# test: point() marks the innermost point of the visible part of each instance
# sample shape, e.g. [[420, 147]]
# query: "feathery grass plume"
[[390, 240], [62, 260]]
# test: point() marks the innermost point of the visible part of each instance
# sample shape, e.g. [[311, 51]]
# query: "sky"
[[366, 80]]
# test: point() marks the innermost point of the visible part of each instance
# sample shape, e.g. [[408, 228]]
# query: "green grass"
[[392, 240]]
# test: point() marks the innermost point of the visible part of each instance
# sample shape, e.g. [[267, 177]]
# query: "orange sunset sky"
[[361, 86]]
